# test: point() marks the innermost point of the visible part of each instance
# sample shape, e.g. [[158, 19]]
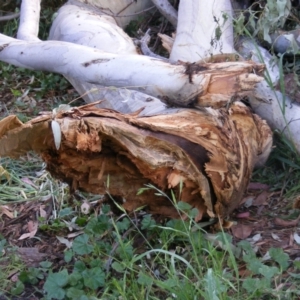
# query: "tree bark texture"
[[206, 157]]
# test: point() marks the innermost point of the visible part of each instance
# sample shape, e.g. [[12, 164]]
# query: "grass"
[[136, 256], [98, 254]]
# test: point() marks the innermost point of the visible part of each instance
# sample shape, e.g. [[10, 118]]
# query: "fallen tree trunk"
[[205, 154]]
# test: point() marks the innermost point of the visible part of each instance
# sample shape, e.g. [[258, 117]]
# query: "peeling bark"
[[211, 152]]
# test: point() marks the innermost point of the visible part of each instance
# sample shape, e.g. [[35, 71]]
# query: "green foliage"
[[55, 283], [81, 246], [175, 261], [265, 19], [282, 170]]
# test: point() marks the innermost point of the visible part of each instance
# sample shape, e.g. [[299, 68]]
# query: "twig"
[[9, 17], [146, 50]]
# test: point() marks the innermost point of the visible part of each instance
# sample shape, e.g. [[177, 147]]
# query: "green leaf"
[[280, 257], [184, 206], [65, 212], [147, 222], [94, 278], [79, 266], [118, 267], [81, 246], [253, 263], [144, 279], [98, 225], [68, 255], [251, 285], [125, 251], [224, 238], [268, 272], [211, 285], [96, 263], [31, 275], [294, 275], [18, 288], [46, 264], [193, 213], [75, 279], [55, 283], [246, 246], [105, 209], [74, 293], [297, 264], [123, 225]]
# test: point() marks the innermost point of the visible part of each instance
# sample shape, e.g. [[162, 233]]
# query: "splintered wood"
[[204, 156]]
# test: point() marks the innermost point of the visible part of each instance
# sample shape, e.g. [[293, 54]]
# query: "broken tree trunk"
[[204, 154], [205, 157]]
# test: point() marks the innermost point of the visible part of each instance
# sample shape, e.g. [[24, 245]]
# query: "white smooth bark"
[[100, 31], [83, 27], [167, 10], [203, 30], [278, 110], [9, 17], [29, 20], [151, 76], [122, 11]]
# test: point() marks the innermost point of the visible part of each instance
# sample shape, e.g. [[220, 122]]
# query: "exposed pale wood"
[[212, 152]]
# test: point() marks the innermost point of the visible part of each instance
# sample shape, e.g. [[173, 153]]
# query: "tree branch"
[[204, 28], [167, 10], [9, 17], [29, 20]]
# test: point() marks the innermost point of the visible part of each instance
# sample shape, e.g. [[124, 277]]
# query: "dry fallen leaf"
[[261, 199], [275, 237], [297, 238], [43, 213], [241, 231], [257, 186], [243, 215], [256, 238], [4, 210], [284, 223], [32, 228], [65, 241], [247, 201], [4, 173]]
